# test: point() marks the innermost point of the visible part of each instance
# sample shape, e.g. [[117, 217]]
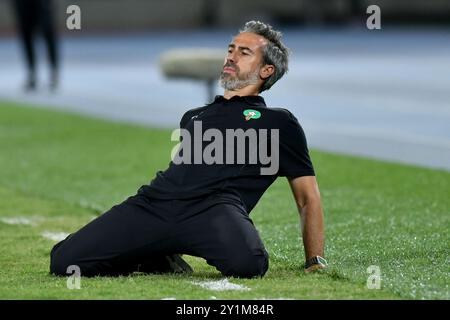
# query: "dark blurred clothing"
[[34, 17]]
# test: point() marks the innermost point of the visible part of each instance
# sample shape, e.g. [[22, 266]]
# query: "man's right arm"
[[307, 197]]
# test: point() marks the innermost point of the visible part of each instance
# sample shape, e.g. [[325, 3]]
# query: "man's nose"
[[229, 61], [231, 57]]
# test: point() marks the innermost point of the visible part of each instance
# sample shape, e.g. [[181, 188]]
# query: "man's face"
[[243, 61]]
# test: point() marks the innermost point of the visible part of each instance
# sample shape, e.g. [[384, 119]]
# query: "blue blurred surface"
[[381, 94]]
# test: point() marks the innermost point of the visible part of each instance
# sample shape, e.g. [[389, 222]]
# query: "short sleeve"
[[187, 116], [294, 154], [185, 119]]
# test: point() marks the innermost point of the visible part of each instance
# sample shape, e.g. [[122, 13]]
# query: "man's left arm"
[[307, 197]]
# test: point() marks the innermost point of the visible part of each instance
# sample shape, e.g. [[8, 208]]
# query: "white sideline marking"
[[221, 285], [55, 236], [17, 220], [169, 298]]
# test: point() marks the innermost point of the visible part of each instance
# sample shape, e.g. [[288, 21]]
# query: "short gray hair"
[[274, 53]]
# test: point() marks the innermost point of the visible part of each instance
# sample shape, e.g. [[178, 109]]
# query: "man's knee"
[[246, 266], [63, 264], [58, 261]]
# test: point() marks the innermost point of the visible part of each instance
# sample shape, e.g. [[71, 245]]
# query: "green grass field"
[[61, 170]]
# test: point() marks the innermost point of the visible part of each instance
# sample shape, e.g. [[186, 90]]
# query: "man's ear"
[[266, 71]]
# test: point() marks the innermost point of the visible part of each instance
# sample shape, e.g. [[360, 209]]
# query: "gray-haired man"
[[201, 206]]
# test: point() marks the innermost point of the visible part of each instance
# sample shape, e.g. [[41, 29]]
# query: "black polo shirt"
[[240, 182]]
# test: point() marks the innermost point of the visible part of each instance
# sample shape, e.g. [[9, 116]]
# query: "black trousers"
[[35, 16], [141, 231]]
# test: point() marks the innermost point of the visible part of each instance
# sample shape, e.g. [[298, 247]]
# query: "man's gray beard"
[[236, 84]]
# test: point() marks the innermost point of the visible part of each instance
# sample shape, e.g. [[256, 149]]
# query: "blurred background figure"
[[34, 17]]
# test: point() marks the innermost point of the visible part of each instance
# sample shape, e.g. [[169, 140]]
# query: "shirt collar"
[[250, 100]]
